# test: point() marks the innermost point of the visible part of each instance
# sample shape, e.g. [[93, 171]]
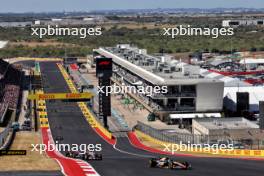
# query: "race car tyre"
[[152, 163], [171, 165], [188, 166]]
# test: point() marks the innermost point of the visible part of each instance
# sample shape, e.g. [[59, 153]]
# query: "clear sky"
[[86, 5]]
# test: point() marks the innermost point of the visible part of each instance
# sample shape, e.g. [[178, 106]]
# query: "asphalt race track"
[[66, 121]]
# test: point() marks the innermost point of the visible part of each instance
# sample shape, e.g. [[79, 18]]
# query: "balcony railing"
[[174, 95]]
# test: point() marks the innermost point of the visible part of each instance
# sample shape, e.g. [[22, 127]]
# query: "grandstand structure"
[[10, 79], [188, 91]]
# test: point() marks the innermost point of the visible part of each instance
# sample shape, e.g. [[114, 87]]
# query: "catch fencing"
[[188, 138]]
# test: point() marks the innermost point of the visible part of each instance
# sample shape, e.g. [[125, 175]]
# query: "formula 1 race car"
[[168, 164], [84, 156]]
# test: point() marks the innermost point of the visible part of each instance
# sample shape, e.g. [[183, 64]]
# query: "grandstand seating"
[[10, 76], [11, 95]]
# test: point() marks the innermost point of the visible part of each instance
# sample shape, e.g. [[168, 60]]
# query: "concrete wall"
[[261, 115], [210, 96]]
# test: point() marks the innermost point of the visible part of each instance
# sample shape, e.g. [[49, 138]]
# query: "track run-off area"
[[122, 156]]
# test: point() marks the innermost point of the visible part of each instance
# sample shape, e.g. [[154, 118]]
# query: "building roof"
[[256, 94], [251, 61], [229, 81], [226, 123], [193, 115], [3, 44], [153, 75], [217, 62]]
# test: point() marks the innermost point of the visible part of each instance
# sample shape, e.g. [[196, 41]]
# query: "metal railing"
[[186, 138], [4, 134]]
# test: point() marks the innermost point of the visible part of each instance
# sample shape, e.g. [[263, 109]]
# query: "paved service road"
[[66, 120]]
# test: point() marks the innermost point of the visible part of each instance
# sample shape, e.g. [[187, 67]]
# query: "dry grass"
[[33, 161]]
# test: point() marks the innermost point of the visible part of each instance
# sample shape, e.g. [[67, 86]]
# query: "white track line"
[[130, 153], [78, 161]]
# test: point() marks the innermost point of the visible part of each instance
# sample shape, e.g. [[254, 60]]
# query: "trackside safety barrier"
[[37, 59], [233, 152], [252, 142], [42, 112], [86, 112]]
